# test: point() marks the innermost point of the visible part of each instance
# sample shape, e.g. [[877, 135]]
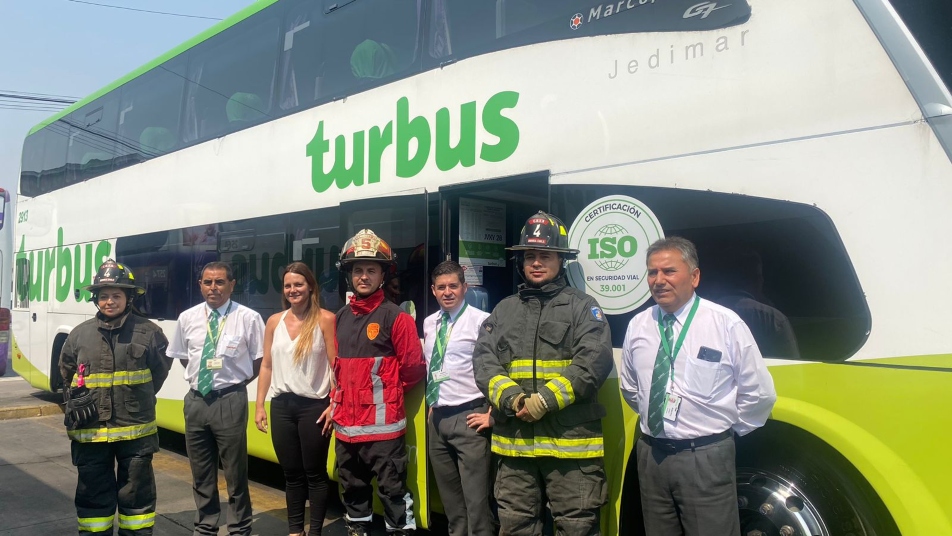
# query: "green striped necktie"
[[436, 362], [659, 380], [205, 376]]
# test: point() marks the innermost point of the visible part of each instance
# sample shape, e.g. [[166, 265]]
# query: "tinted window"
[[364, 44], [230, 79], [316, 242], [92, 140], [761, 257], [31, 164], [149, 113], [463, 28], [53, 174], [401, 222]]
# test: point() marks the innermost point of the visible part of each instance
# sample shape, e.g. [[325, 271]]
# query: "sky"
[[65, 47]]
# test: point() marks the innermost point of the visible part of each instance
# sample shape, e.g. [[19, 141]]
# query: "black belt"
[[676, 445], [465, 406], [215, 393]]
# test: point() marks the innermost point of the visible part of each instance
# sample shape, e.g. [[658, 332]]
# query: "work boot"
[[357, 529]]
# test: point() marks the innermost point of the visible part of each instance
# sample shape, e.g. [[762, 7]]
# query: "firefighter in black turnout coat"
[[113, 364]]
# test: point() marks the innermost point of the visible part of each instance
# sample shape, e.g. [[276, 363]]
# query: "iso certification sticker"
[[612, 235]]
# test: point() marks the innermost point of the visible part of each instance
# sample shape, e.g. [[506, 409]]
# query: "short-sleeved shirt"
[[240, 343], [460, 387]]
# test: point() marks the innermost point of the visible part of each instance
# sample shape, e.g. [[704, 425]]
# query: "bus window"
[[22, 290], [53, 173], [92, 141], [150, 109], [371, 42], [402, 223], [316, 242], [230, 79], [780, 266], [32, 164]]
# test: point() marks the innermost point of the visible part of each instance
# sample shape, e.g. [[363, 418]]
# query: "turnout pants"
[[357, 464], [115, 474], [216, 428], [575, 490]]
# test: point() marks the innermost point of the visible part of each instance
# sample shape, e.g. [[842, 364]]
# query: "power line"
[[32, 94], [28, 108], [12, 96], [144, 10]]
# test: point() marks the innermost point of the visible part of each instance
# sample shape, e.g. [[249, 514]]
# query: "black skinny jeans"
[[302, 453]]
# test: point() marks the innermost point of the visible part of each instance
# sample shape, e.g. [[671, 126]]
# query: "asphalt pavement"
[[38, 480]]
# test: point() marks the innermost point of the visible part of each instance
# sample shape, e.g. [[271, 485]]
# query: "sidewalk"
[[18, 399], [38, 480]]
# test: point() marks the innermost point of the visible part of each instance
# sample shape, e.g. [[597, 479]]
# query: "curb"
[[24, 412]]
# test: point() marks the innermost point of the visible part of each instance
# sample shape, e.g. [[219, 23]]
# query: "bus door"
[[479, 221]]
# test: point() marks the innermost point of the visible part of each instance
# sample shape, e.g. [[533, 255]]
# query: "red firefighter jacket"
[[378, 357]]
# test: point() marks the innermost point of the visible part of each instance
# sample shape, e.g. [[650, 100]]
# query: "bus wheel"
[[56, 381], [792, 484]]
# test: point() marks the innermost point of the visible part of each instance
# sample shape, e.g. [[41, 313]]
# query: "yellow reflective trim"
[[497, 386], [137, 522], [593, 447], [106, 434], [562, 390], [122, 377], [543, 369], [94, 524]]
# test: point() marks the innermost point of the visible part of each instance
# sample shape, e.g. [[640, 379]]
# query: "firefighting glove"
[[536, 406], [80, 407], [516, 403]]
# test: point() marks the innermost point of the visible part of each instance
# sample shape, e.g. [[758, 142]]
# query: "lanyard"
[[449, 331], [684, 331], [221, 327]]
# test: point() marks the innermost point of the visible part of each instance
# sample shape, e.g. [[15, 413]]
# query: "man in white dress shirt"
[[222, 342], [459, 419], [692, 371]]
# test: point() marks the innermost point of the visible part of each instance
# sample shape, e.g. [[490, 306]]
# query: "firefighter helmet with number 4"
[[545, 232], [367, 246], [114, 275]]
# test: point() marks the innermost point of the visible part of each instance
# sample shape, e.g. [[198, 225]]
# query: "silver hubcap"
[[771, 506]]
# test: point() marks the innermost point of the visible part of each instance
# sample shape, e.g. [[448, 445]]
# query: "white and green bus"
[[805, 147]]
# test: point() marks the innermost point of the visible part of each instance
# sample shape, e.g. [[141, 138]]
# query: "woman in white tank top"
[[299, 354]]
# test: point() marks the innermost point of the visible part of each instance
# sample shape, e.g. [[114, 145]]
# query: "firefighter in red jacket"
[[378, 357]]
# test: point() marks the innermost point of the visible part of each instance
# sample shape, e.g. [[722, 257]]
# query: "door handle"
[[34, 317]]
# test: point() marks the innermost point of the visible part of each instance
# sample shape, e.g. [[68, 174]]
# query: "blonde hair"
[[305, 340]]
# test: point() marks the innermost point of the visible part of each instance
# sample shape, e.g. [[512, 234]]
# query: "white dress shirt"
[[240, 343], [735, 393], [458, 358]]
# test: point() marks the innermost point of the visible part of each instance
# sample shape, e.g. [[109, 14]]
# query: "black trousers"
[[216, 429], [302, 452], [115, 474], [358, 464], [462, 467]]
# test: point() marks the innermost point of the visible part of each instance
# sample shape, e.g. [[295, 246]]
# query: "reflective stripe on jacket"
[[554, 341], [125, 366]]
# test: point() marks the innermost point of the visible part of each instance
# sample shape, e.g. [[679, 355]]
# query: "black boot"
[[355, 528]]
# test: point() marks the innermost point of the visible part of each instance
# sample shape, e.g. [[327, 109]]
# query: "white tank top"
[[311, 377]]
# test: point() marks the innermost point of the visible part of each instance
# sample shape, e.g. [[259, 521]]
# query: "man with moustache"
[[221, 344], [692, 371]]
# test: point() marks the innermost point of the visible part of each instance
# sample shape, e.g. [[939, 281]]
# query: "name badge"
[[214, 364], [671, 406], [441, 376]]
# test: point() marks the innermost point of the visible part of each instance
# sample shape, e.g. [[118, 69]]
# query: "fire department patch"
[[597, 313], [373, 330]]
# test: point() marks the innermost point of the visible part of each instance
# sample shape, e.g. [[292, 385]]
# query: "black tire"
[[806, 486], [56, 380]]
